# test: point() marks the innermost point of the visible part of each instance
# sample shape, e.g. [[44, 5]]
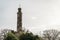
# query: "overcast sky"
[[38, 15]]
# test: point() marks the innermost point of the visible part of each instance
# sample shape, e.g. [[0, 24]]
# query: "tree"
[[11, 36], [28, 36], [51, 34]]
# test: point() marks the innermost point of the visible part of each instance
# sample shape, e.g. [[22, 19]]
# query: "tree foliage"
[[22, 36], [11, 36], [28, 36]]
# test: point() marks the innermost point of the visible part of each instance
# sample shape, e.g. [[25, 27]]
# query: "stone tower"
[[19, 20]]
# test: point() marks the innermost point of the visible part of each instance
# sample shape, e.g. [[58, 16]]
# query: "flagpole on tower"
[[19, 5]]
